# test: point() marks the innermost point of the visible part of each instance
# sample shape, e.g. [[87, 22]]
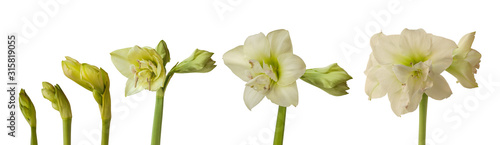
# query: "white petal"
[[465, 44], [398, 102], [257, 47], [464, 72], [440, 88], [130, 88], [386, 49], [417, 42], [473, 57], [280, 42], [441, 53], [284, 95], [120, 60], [402, 72], [252, 97], [291, 68], [413, 90], [373, 88], [235, 60]]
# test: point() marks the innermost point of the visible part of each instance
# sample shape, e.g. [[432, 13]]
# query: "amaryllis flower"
[[465, 62], [269, 67], [406, 66], [143, 66]]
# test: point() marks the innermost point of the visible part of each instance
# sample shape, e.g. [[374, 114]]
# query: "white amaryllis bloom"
[[269, 67], [465, 62], [406, 66]]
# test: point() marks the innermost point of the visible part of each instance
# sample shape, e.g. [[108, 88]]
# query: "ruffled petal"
[[398, 102], [386, 48]]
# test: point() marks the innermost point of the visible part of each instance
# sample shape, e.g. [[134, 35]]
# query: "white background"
[[208, 108]]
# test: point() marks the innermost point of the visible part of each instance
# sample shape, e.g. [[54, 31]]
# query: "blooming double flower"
[[269, 67], [143, 66], [406, 66]]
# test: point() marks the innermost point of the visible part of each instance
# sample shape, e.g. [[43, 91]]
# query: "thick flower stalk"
[[331, 79], [29, 113], [465, 62], [145, 69], [60, 103], [269, 68], [95, 80]]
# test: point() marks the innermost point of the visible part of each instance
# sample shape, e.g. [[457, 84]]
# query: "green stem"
[[280, 126], [67, 131], [155, 138], [105, 131], [422, 120], [158, 117], [34, 141]]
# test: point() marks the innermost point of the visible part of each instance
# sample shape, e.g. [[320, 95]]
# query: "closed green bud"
[[199, 61], [59, 101], [162, 50], [331, 79], [27, 108]]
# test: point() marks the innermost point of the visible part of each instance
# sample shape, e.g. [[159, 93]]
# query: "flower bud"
[[162, 50], [331, 79], [27, 108], [59, 101], [199, 61]]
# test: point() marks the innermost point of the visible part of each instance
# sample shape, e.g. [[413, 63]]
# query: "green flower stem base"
[[158, 118], [422, 120], [155, 139], [105, 131], [67, 131], [280, 126], [34, 141]]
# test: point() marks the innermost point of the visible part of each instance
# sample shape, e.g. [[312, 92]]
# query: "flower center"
[[261, 77], [144, 72]]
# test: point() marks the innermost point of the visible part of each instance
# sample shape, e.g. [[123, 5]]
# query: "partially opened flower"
[[269, 67], [331, 79], [465, 62], [95, 80], [406, 66], [29, 113], [143, 66]]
